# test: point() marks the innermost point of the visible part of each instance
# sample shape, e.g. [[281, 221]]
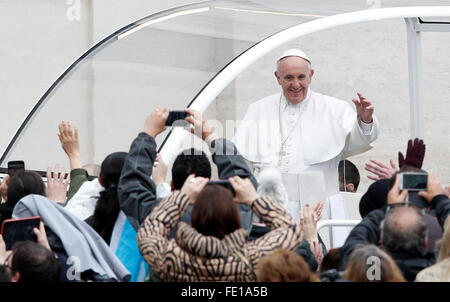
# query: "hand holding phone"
[[14, 230], [176, 119], [413, 181], [15, 166]]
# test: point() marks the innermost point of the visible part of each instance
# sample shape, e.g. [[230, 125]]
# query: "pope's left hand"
[[364, 108]]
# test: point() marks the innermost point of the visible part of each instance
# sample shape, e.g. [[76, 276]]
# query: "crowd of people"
[[123, 221], [198, 230]]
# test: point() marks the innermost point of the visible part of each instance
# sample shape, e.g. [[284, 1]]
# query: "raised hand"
[[415, 154], [364, 108], [308, 223], [159, 171], [57, 184], [434, 188], [193, 186], [245, 191], [70, 143], [396, 195], [380, 170], [202, 128], [155, 122], [317, 210]]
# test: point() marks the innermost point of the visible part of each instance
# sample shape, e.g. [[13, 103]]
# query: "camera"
[[15, 167], [176, 119], [412, 181]]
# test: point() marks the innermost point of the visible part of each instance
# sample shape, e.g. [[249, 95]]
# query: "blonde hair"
[[284, 266], [357, 269], [444, 242]]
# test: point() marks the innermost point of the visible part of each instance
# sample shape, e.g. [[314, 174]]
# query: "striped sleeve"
[[284, 232], [152, 235]]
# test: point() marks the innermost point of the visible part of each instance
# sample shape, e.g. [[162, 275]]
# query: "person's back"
[[107, 207], [439, 272], [138, 196], [215, 247], [404, 235]]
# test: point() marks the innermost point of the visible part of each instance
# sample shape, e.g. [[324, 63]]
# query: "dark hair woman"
[[215, 247], [107, 208], [20, 185]]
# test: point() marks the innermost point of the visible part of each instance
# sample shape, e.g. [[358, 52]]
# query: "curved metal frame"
[[91, 51], [228, 74], [216, 85]]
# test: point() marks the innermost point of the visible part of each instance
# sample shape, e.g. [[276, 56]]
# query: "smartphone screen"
[[15, 166], [14, 230], [414, 181], [176, 119]]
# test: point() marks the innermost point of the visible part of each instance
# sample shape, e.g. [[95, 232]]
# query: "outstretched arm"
[[152, 235], [437, 196], [227, 158], [57, 183], [365, 129], [308, 223], [136, 190], [380, 170], [70, 144], [364, 108]]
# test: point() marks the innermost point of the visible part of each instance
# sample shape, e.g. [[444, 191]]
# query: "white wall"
[[41, 38], [39, 41]]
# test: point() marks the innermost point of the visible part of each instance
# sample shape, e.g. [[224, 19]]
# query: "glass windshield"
[[162, 60], [167, 58]]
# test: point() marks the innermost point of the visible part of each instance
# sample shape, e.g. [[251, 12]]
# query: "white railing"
[[336, 222]]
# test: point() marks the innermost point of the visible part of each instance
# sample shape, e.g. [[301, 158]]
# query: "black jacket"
[[137, 192], [368, 232]]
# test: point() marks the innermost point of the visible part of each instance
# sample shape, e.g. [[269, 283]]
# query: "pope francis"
[[305, 134]]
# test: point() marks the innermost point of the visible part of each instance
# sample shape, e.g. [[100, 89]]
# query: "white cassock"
[[305, 142]]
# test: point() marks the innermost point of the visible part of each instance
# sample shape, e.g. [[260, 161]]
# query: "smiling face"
[[294, 76]]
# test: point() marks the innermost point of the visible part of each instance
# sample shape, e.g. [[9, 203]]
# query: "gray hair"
[[396, 235], [278, 64], [271, 184]]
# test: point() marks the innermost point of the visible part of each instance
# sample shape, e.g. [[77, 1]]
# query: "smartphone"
[[411, 181], [176, 119], [14, 230], [223, 182], [15, 166]]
